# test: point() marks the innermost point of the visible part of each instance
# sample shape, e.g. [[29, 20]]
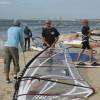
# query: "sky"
[[53, 9]]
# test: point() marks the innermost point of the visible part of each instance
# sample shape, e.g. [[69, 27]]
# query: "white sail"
[[52, 76]]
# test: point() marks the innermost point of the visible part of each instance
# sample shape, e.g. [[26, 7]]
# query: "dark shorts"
[[11, 53], [86, 45]]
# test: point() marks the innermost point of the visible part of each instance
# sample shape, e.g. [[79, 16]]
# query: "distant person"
[[14, 38], [50, 35], [27, 36], [85, 40]]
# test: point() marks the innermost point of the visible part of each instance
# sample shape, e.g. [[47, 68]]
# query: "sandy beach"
[[6, 90], [91, 75]]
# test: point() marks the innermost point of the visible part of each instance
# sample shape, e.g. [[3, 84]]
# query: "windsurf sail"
[[51, 75]]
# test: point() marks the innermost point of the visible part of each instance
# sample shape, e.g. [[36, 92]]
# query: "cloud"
[[5, 2]]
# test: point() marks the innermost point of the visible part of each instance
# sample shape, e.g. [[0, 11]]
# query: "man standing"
[[27, 36], [14, 37], [50, 35], [85, 40]]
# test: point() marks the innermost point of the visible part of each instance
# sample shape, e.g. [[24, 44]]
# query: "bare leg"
[[15, 56], [25, 43], [81, 51], [7, 62], [90, 55], [28, 43]]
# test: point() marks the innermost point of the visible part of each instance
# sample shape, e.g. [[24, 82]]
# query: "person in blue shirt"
[[14, 38]]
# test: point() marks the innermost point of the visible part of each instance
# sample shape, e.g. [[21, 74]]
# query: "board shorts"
[[11, 53], [86, 45]]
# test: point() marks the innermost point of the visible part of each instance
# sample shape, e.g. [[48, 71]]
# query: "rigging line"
[[56, 94], [67, 78], [46, 79], [87, 67], [57, 66], [52, 57]]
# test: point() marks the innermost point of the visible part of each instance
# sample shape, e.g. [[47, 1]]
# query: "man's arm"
[[56, 37], [30, 33], [44, 41], [56, 40], [43, 37], [89, 34]]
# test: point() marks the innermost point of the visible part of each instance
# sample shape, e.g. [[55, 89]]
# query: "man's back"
[[15, 35], [27, 32]]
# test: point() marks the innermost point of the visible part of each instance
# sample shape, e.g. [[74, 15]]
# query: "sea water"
[[63, 26]]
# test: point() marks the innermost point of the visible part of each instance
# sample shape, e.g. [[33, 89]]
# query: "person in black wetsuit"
[[27, 36], [50, 35], [85, 40]]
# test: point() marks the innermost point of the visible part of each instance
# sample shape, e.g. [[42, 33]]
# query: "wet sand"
[[91, 75]]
